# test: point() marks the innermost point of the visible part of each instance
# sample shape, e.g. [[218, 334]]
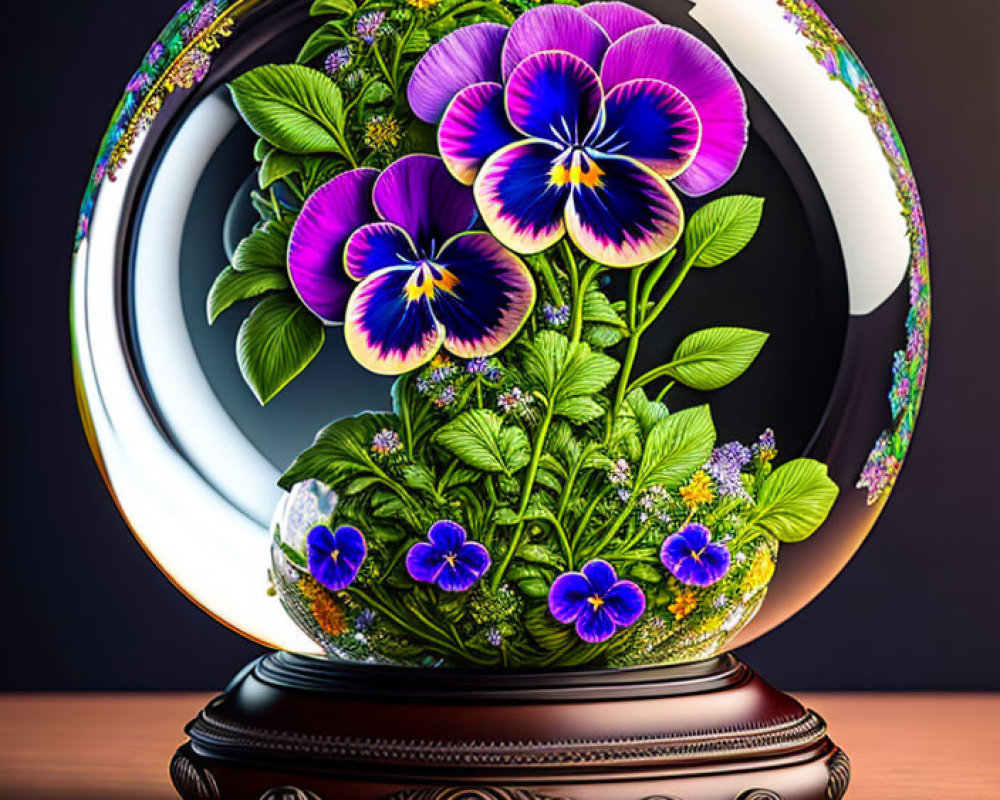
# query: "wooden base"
[[296, 728]]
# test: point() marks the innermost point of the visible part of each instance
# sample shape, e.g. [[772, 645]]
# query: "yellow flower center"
[[582, 171], [426, 278], [595, 601]]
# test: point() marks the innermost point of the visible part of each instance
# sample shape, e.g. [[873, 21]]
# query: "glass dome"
[[595, 528]]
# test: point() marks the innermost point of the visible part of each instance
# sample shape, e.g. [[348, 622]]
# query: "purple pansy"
[[572, 121], [693, 558], [392, 256], [596, 601], [447, 558], [335, 556]]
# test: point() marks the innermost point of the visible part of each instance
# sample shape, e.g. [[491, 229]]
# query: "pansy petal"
[[469, 566], [554, 96], [625, 216], [418, 194], [568, 596], [676, 57], [316, 246], [617, 19], [624, 603], [520, 204], [600, 574], [554, 27], [474, 127], [446, 535], [653, 122], [695, 535], [595, 625], [386, 331], [351, 545], [376, 246], [490, 294], [468, 55], [424, 562], [716, 560]]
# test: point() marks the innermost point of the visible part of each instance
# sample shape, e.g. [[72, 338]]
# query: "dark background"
[[84, 608]]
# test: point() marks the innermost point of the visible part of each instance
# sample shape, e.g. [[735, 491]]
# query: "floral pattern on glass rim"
[[573, 120]]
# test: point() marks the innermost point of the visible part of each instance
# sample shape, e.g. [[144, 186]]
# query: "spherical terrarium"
[[567, 336]]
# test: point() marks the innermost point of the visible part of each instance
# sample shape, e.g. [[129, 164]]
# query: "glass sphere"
[[836, 274]]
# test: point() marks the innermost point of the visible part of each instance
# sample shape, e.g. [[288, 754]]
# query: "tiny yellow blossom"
[[423, 5], [760, 571], [698, 491], [684, 603], [382, 132]]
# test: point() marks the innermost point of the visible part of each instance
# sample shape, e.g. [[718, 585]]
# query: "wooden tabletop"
[[117, 747]]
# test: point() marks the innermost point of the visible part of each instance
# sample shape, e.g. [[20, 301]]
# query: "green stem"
[[620, 520], [382, 66], [398, 57], [663, 392], [383, 608], [544, 269], [589, 512], [581, 292], [667, 295], [654, 278], [633, 296], [529, 485]]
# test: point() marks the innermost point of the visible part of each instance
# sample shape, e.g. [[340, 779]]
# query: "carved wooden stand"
[[296, 728]]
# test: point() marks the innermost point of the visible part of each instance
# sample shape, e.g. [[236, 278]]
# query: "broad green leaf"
[[418, 42], [341, 451], [232, 286], [275, 343], [264, 248], [597, 308], [277, 165], [360, 484], [602, 336], [676, 447], [417, 476], [294, 556], [535, 588], [295, 108], [561, 370], [794, 500], [719, 230], [647, 412], [325, 38], [343, 8], [578, 410], [261, 149], [410, 405], [479, 438], [710, 358], [646, 572], [374, 94], [539, 555]]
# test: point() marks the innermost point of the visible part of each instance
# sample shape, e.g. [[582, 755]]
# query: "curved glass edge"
[[909, 364], [178, 59]]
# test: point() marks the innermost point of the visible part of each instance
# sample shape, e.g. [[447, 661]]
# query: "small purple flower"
[[446, 397], [338, 59], [477, 366], [369, 26], [726, 466], [619, 472], [596, 601], [447, 559], [556, 316], [692, 558], [335, 556], [364, 620], [386, 442], [513, 400], [624, 494], [766, 446], [494, 637]]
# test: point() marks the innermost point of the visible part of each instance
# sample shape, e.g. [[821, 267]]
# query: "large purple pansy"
[[596, 601], [447, 558], [572, 121], [693, 558], [335, 556], [392, 256]]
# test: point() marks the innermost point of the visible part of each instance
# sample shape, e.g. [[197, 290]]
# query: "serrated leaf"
[[602, 336], [341, 451], [418, 42], [505, 516], [647, 412], [417, 476], [720, 229], [578, 410], [675, 448], [479, 438], [263, 248], [231, 287], [794, 500], [597, 308], [343, 8], [295, 108], [563, 370], [375, 93], [277, 165], [709, 359], [275, 343]]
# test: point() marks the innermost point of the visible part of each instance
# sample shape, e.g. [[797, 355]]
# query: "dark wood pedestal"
[[296, 728]]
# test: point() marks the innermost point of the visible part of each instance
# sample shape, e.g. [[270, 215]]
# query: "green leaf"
[[294, 556], [539, 555], [343, 8], [264, 248], [646, 572], [261, 149], [232, 286], [578, 410], [341, 451], [479, 438], [561, 370], [719, 230], [295, 108], [647, 412], [710, 358], [275, 343], [374, 94], [277, 165], [597, 308], [360, 484], [417, 476], [418, 42], [794, 500], [535, 588], [676, 447]]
